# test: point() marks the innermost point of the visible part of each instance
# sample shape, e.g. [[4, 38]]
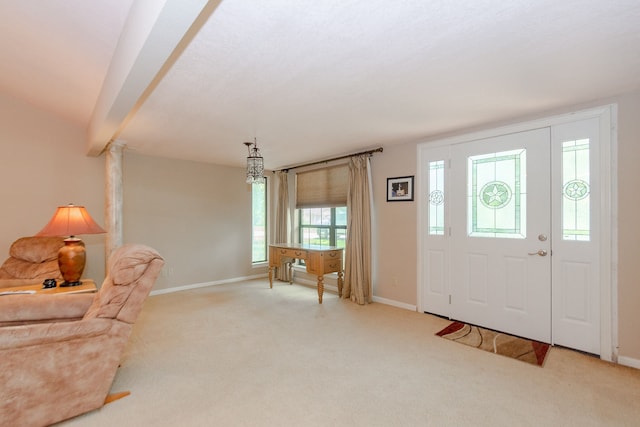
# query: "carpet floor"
[[242, 354]]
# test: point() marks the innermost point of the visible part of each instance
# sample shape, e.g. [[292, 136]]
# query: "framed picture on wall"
[[400, 189]]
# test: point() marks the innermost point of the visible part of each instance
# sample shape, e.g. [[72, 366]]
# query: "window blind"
[[326, 187]]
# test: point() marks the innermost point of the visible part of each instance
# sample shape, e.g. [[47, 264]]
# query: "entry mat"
[[523, 349]]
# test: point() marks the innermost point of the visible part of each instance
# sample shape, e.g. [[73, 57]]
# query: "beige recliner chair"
[[54, 371]]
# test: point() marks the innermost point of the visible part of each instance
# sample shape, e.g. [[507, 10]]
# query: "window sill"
[[260, 264]]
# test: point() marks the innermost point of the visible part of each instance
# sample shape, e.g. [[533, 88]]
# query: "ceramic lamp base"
[[67, 284], [71, 260]]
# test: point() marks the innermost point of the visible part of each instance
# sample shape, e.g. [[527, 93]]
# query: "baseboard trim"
[[334, 289], [394, 303], [629, 361], [300, 281], [205, 284]]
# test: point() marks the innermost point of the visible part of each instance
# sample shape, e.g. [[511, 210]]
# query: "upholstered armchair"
[[31, 258], [52, 371]]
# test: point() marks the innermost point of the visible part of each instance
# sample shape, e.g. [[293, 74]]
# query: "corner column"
[[113, 198]]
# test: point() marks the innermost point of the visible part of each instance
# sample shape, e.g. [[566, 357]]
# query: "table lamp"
[[70, 221]]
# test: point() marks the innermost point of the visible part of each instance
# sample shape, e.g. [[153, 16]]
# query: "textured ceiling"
[[315, 79], [55, 54]]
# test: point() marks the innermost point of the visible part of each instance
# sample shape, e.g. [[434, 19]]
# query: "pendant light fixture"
[[255, 164]]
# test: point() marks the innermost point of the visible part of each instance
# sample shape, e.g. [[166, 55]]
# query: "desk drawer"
[[332, 265], [333, 254], [292, 253]]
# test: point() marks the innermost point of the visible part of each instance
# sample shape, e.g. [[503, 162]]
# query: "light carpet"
[[242, 354]]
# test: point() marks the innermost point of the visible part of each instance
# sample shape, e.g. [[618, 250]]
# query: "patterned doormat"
[[529, 351]]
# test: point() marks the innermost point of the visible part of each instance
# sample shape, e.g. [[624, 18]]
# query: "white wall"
[[197, 215], [628, 224], [394, 227], [42, 166]]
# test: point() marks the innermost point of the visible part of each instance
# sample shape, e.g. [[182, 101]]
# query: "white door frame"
[[607, 116]]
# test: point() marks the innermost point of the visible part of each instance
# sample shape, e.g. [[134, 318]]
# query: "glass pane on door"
[[436, 198], [496, 195], [575, 190]]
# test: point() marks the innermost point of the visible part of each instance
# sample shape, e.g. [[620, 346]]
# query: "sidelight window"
[[436, 198], [259, 222], [575, 190]]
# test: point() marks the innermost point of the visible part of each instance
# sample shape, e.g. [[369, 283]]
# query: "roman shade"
[[326, 187]]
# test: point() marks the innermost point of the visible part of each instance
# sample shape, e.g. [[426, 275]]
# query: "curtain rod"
[[369, 152]]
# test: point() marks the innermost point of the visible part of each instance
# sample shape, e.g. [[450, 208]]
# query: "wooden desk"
[[319, 260], [87, 286]]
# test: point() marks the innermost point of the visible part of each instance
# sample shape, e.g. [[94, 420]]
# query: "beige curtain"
[[282, 220], [357, 283]]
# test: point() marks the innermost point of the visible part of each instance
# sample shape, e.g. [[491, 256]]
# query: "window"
[[497, 193], [576, 190], [323, 226], [259, 222], [436, 198], [321, 198]]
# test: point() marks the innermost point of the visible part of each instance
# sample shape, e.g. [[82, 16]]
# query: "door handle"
[[541, 252]]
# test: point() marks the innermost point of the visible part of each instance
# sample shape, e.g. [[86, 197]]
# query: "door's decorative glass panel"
[[436, 197], [575, 190], [497, 195]]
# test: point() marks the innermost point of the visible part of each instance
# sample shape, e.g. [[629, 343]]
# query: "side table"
[[87, 286]]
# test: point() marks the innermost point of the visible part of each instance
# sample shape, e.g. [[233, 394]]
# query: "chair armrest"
[[25, 309], [12, 337]]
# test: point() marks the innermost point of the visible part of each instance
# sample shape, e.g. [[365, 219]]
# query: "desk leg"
[[320, 288], [270, 277], [340, 283], [290, 272]]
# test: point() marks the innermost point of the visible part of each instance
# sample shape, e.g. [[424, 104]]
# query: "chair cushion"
[[14, 268]]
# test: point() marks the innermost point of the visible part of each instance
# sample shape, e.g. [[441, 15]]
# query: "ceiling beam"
[[154, 35]]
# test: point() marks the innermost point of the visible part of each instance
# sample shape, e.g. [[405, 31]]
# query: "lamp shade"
[[71, 220]]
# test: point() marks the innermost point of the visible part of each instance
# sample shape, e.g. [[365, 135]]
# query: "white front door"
[[512, 228], [500, 233]]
